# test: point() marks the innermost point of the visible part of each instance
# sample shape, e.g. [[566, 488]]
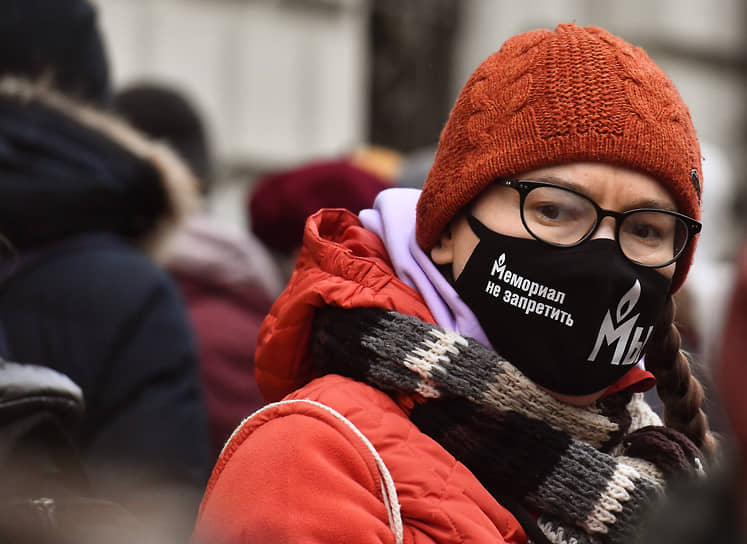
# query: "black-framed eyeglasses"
[[562, 217]]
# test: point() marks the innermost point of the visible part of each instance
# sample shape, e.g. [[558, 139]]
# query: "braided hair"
[[681, 393]]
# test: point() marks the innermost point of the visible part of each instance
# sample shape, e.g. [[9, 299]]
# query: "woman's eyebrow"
[[654, 203], [562, 182]]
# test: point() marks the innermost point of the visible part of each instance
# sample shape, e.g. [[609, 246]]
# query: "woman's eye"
[[557, 213], [646, 231], [549, 211]]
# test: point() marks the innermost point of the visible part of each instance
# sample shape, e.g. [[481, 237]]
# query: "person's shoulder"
[[343, 405], [90, 272], [332, 417], [346, 438], [309, 464], [96, 261]]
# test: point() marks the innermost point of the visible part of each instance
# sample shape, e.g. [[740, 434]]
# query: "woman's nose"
[[605, 229]]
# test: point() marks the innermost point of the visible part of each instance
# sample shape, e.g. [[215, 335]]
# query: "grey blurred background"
[[280, 82]]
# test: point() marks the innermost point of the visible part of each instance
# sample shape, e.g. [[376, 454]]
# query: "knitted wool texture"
[[549, 98], [573, 466]]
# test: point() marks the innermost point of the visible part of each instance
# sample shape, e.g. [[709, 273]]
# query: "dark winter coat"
[[81, 196]]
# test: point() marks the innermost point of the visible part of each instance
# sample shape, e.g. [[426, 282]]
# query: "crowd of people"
[[488, 341]]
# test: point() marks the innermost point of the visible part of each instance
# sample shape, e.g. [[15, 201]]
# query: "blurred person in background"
[[86, 203], [280, 202], [714, 509], [730, 375], [165, 113], [459, 363], [228, 278]]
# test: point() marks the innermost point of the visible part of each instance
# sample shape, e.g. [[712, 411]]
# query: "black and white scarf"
[[587, 473]]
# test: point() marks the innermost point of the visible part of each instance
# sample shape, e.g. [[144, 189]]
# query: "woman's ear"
[[443, 252]]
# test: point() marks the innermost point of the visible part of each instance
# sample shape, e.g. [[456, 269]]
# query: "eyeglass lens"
[[564, 218]]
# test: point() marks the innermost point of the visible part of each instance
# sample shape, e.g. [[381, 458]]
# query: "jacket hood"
[[68, 169], [341, 264]]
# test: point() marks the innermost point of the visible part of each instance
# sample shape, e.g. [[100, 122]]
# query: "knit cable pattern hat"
[[555, 97]]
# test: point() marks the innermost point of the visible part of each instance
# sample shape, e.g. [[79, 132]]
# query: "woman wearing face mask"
[[461, 364]]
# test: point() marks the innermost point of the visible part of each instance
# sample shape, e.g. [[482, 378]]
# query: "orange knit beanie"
[[548, 98]]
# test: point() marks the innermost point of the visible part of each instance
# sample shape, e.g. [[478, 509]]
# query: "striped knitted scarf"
[[584, 472]]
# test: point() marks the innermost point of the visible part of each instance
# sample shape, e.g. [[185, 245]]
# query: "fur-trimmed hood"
[[68, 169]]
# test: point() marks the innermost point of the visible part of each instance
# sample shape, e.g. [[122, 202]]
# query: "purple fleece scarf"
[[393, 220]]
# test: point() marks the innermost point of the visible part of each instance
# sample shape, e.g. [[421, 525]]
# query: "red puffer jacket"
[[345, 464]]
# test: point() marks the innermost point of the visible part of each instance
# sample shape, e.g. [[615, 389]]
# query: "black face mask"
[[574, 320]]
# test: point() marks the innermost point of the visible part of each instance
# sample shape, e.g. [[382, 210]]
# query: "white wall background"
[[285, 80], [279, 81]]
